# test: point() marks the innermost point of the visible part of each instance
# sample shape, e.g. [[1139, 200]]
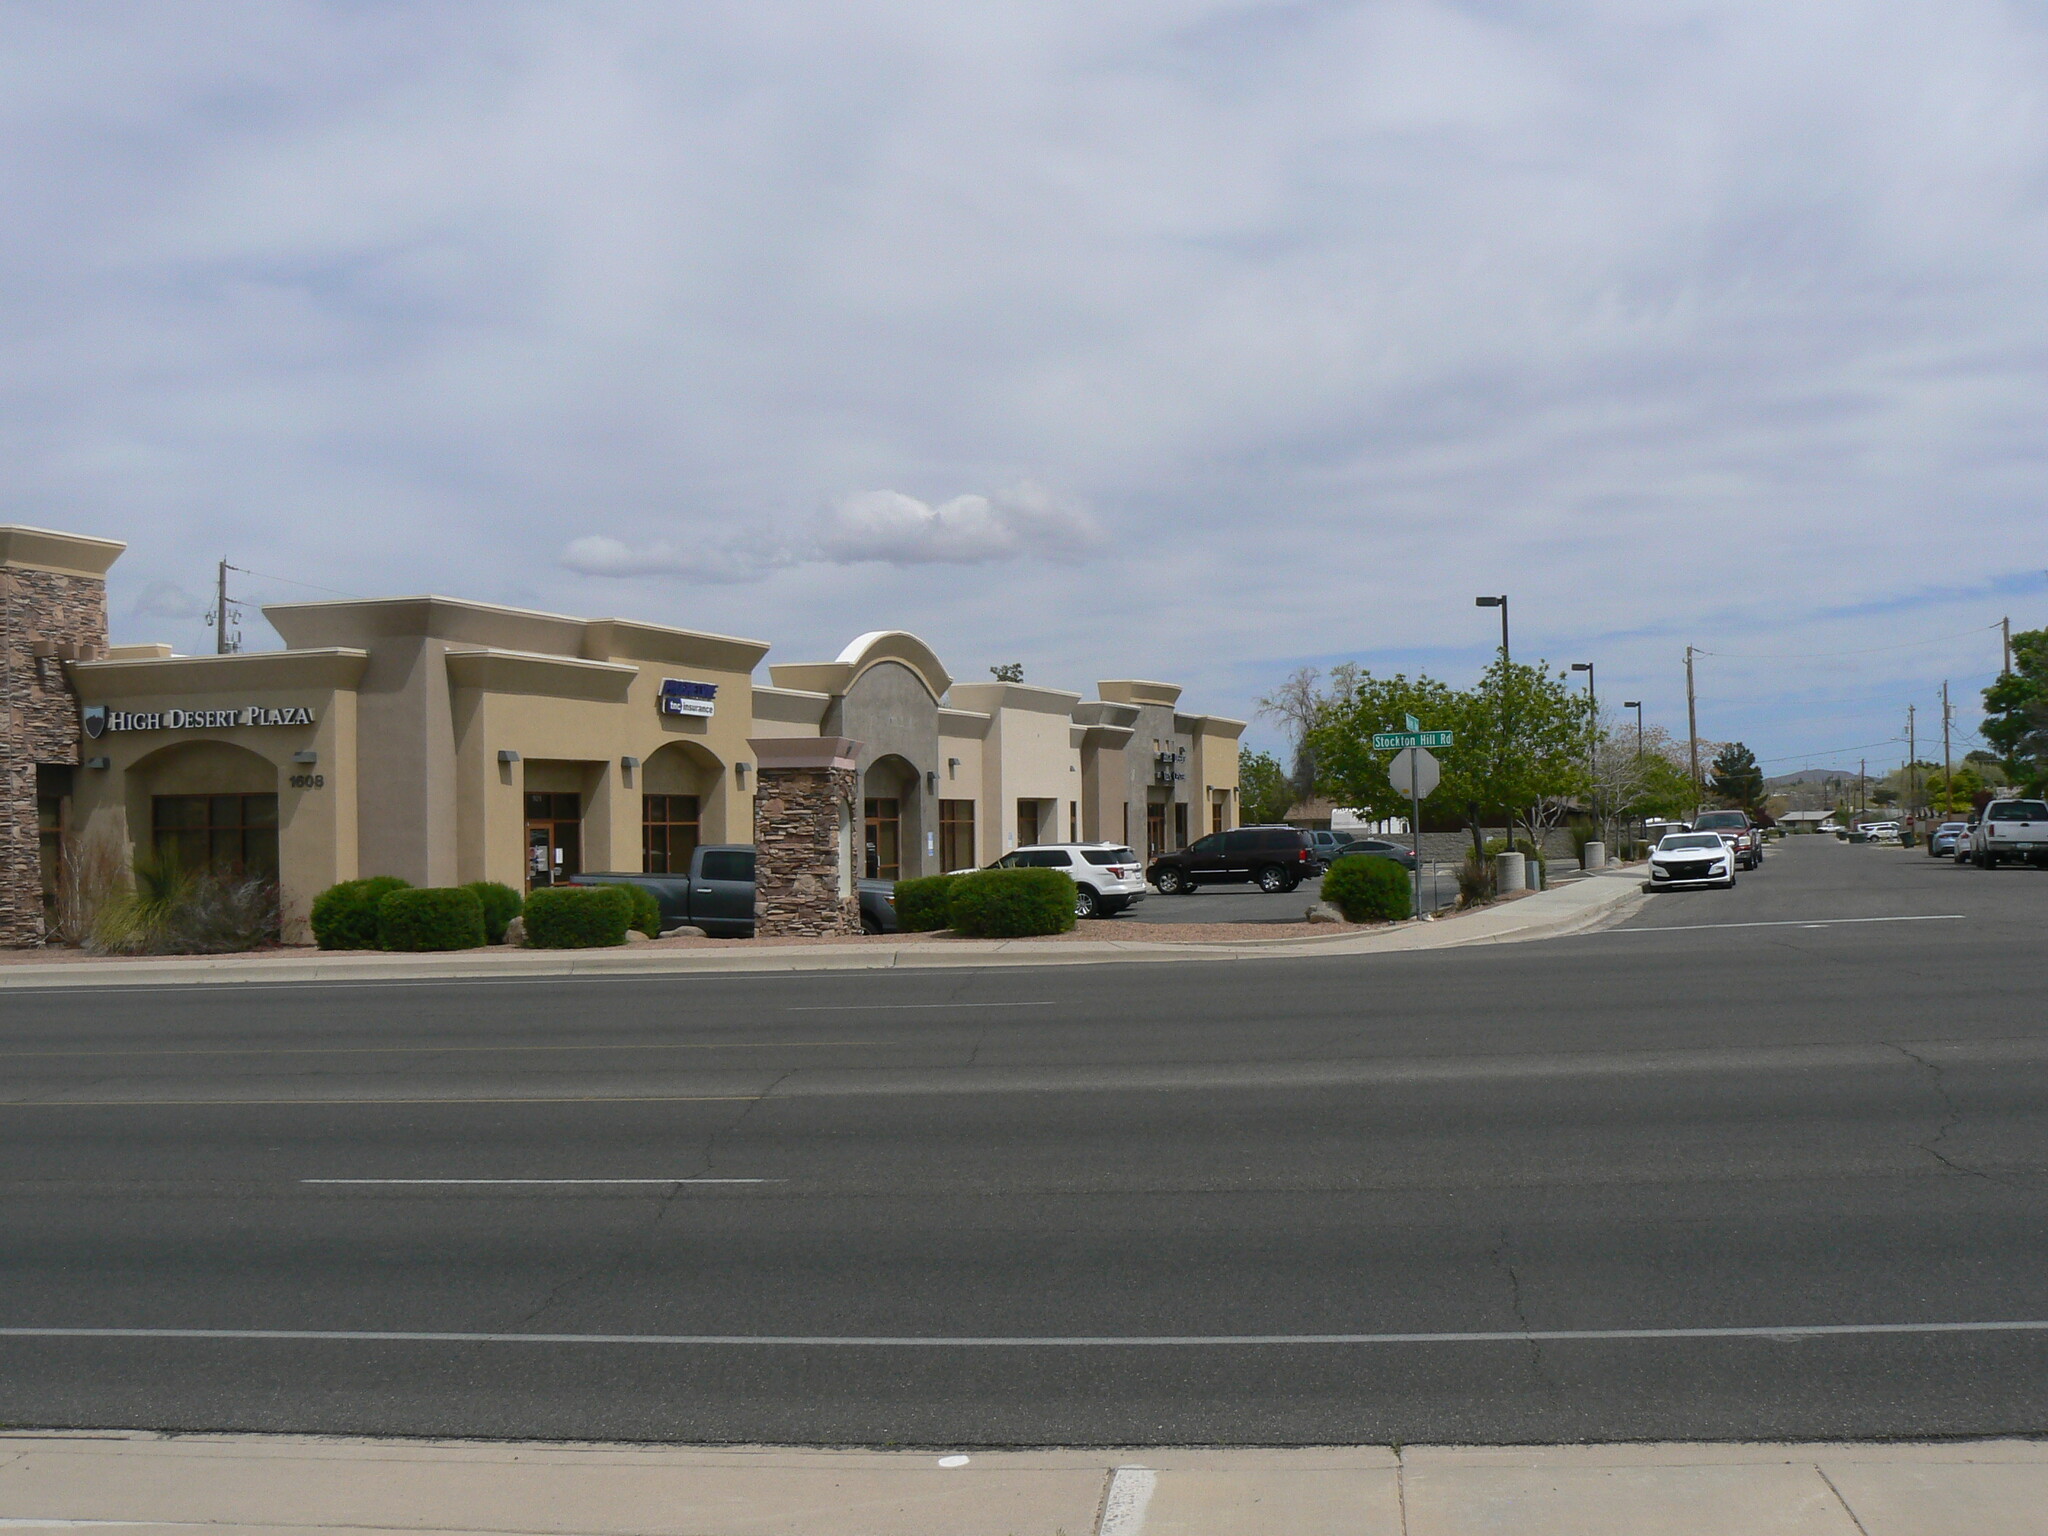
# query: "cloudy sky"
[[1194, 340]]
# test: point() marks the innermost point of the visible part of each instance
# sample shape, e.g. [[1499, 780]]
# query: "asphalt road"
[[1766, 1110]]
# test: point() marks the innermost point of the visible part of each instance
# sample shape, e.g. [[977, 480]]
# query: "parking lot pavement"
[[1249, 904]]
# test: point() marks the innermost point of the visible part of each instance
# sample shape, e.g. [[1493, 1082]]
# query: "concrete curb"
[[1562, 910]]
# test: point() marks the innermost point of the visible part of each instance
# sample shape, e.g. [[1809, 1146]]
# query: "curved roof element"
[[863, 653]]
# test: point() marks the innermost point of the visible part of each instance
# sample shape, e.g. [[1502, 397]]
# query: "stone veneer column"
[[47, 617], [804, 814]]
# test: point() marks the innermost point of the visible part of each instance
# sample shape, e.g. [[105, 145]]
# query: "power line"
[[1868, 650]]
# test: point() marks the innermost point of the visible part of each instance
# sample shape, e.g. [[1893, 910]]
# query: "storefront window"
[[232, 835], [956, 835], [669, 827], [554, 838]]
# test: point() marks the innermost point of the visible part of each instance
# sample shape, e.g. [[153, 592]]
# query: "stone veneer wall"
[[797, 816], [46, 618]]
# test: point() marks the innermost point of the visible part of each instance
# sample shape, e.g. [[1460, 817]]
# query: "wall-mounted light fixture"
[[507, 756], [99, 762], [307, 756]]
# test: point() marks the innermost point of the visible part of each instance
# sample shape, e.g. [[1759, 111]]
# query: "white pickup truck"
[[2011, 832]]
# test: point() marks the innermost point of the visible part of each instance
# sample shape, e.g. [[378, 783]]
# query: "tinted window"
[[2016, 810], [728, 864], [1111, 855]]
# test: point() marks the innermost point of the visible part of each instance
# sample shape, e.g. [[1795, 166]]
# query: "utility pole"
[[1692, 726], [223, 645], [1948, 770], [1912, 768]]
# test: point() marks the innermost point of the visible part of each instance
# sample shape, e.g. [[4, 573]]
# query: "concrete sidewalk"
[[1567, 908], [249, 1484]]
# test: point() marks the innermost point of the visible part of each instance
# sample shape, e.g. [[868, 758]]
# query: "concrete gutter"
[[1563, 909]]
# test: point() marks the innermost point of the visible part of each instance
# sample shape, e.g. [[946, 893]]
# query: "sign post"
[[1415, 773]]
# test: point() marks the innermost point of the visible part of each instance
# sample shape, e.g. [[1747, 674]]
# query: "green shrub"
[[578, 916], [1010, 903], [345, 915], [500, 903], [1367, 888], [924, 905], [646, 910], [436, 917]]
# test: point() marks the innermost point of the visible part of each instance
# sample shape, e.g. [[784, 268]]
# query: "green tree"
[[1263, 790], [1518, 741], [1736, 776], [2016, 712]]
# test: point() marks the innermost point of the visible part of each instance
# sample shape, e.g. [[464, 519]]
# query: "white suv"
[[1107, 876]]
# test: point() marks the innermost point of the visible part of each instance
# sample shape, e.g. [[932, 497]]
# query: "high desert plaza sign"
[[98, 719]]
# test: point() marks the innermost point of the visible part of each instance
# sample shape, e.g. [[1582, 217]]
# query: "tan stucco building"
[[447, 741]]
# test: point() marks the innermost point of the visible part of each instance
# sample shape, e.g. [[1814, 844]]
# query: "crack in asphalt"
[[1952, 1117]]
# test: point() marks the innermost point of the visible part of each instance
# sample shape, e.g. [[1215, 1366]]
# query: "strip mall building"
[[447, 741]]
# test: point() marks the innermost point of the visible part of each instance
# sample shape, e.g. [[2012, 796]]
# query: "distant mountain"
[[1814, 776]]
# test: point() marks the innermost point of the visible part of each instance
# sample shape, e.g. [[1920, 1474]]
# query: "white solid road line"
[[1782, 1334], [902, 1007], [541, 1181], [1796, 922], [687, 1180]]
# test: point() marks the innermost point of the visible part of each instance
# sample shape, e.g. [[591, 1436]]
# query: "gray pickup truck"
[[717, 894]]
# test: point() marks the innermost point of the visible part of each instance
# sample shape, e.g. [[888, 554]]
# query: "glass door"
[[884, 839], [554, 838]]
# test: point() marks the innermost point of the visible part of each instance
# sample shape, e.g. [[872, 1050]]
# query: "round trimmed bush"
[[433, 917], [1367, 888], [925, 905], [345, 916], [1010, 903], [578, 917], [500, 903]]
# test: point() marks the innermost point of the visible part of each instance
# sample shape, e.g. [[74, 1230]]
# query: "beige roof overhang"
[[790, 706], [543, 676], [493, 627], [1136, 690], [45, 549], [987, 698], [335, 667], [862, 654]]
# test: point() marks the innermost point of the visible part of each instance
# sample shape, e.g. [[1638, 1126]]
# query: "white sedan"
[[1691, 858]]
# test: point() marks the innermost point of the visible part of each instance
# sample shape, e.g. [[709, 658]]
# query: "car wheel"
[[1172, 883], [1085, 904], [1273, 880]]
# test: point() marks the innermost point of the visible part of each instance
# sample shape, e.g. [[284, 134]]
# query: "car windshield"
[[1718, 819], [2017, 810], [1680, 841]]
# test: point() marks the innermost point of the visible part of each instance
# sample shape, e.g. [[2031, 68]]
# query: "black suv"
[[1275, 858]]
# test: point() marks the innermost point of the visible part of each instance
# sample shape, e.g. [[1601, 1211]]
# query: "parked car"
[[1379, 847], [1692, 858], [1275, 859], [1108, 877], [1737, 831], [2011, 832], [1941, 842], [717, 894]]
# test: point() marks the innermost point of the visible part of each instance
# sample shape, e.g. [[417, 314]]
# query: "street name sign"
[[1414, 773], [1389, 741]]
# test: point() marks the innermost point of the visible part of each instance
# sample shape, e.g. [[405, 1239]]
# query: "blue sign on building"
[[685, 698]]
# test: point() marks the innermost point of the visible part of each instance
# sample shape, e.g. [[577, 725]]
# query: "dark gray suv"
[[1275, 859]]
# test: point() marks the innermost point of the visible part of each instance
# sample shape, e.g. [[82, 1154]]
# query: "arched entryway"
[[681, 805], [211, 805], [891, 814]]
